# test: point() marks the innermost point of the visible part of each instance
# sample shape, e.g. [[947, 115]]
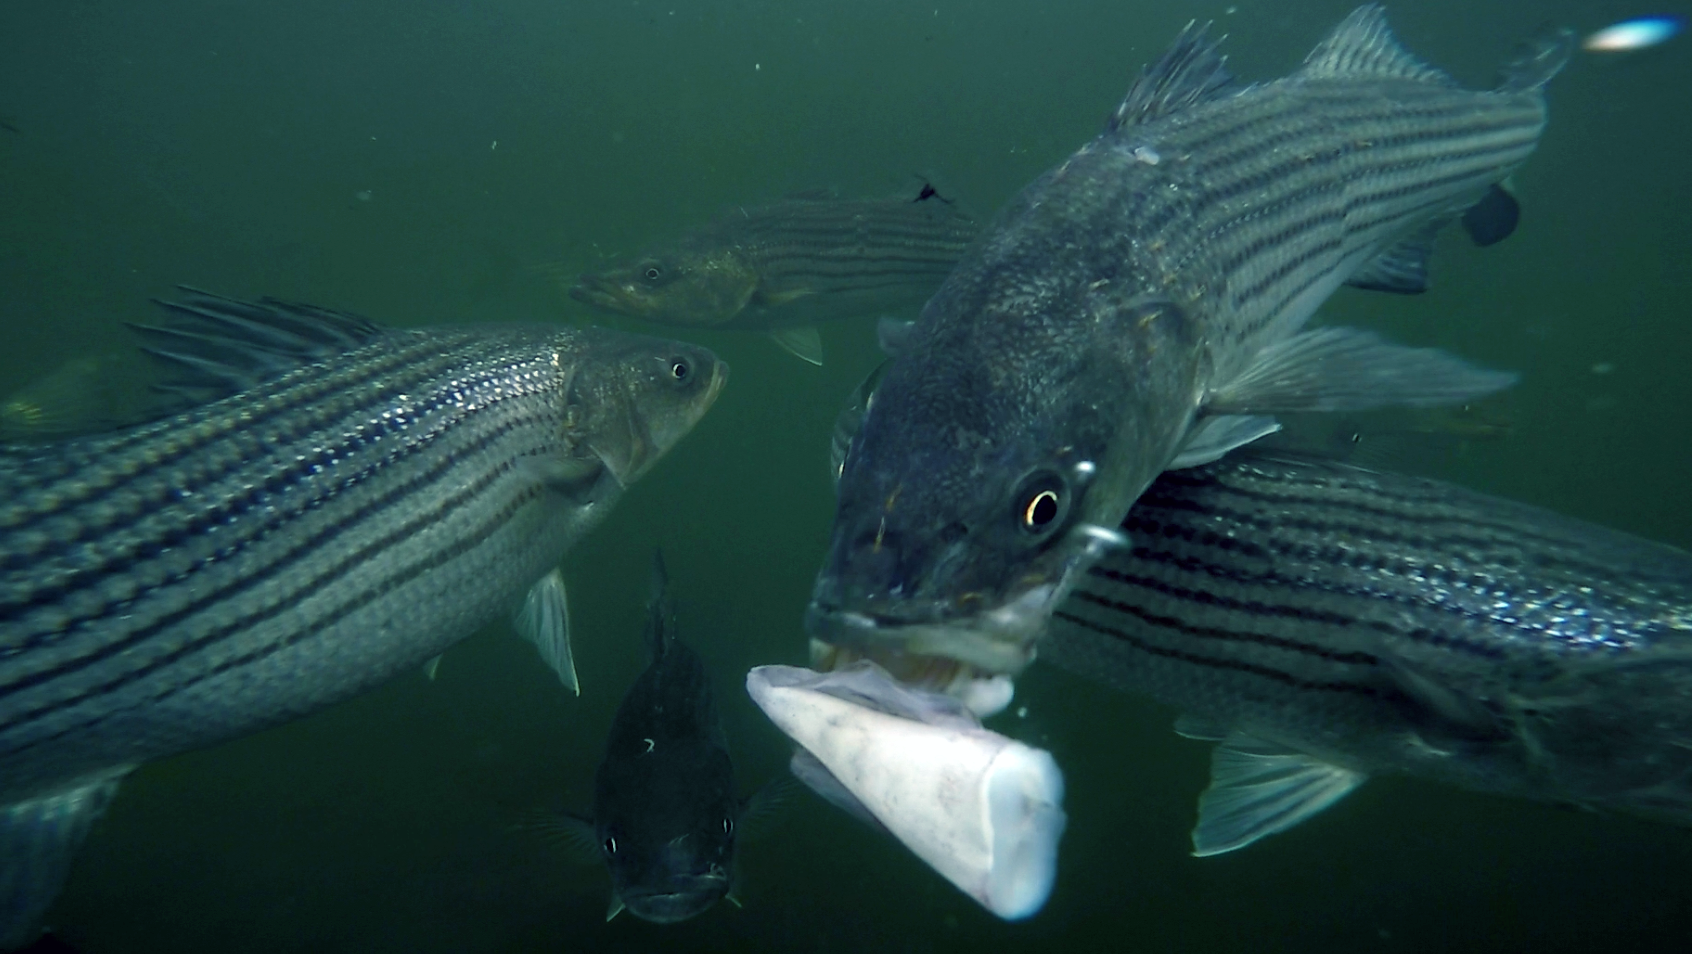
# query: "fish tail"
[[1537, 59], [660, 610]]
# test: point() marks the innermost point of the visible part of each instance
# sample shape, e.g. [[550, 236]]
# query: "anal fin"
[[38, 839], [1258, 788], [545, 621]]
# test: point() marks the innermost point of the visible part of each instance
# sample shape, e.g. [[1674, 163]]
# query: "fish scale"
[[259, 557], [1392, 624]]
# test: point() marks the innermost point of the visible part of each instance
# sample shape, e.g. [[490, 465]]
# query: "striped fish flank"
[[259, 557], [1142, 306], [798, 261], [1376, 623]]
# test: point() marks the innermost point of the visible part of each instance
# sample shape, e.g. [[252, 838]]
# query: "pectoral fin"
[[432, 666], [578, 836], [545, 621], [37, 841], [1213, 437], [614, 909], [1345, 369], [1189, 726], [1258, 788], [803, 342], [808, 769]]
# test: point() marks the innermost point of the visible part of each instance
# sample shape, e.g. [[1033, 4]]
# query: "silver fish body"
[[260, 557], [1338, 622], [1139, 307]]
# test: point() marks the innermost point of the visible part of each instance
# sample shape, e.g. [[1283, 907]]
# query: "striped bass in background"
[[783, 267], [1141, 307], [364, 499], [1326, 623]]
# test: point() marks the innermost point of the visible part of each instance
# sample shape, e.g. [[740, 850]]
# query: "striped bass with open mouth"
[[1141, 307], [363, 499], [1324, 623]]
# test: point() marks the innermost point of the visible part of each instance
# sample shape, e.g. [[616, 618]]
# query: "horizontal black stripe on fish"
[[1233, 665], [1373, 597], [165, 444], [437, 558], [274, 562], [1548, 550], [258, 487]]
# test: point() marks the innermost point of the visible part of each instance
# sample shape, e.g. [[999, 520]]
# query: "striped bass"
[[1326, 623], [366, 498], [1140, 307], [785, 266]]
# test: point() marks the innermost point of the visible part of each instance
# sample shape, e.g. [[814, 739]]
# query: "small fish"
[[1124, 316], [783, 267], [348, 501], [1325, 623], [1636, 34], [666, 816]]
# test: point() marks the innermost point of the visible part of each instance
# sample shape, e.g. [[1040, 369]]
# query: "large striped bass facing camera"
[[1326, 623], [1141, 307], [362, 499], [785, 266]]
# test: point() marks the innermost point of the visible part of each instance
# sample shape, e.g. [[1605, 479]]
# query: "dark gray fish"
[[366, 498], [665, 810], [783, 267], [1141, 307], [1326, 623]]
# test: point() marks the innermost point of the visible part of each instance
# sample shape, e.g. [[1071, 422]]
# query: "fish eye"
[[728, 826], [679, 369], [1041, 503], [652, 273], [610, 846]]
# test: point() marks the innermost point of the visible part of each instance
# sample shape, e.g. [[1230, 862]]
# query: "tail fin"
[[660, 610], [1537, 59]]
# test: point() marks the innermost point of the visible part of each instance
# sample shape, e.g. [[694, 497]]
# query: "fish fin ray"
[[1403, 268], [1191, 71], [1538, 59], [1347, 369], [38, 839], [1363, 44], [1213, 437], [802, 341], [220, 346], [760, 811], [1258, 788], [1202, 728], [578, 836], [544, 620]]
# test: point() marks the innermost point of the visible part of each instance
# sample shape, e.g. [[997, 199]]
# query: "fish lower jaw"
[[983, 693]]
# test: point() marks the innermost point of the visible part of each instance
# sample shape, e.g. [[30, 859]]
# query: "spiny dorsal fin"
[[221, 346], [1363, 44], [1190, 71], [660, 610]]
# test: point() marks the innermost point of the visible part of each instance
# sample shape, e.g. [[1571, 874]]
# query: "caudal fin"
[[1537, 59]]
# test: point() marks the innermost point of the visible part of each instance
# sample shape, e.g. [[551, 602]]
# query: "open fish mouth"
[[993, 641]]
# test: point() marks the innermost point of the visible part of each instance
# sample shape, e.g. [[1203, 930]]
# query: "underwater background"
[[449, 161]]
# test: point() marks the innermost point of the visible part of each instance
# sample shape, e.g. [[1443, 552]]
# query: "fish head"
[[701, 283], [670, 842], [983, 480], [628, 399]]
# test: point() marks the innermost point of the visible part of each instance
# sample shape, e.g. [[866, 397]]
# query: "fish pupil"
[[1041, 510]]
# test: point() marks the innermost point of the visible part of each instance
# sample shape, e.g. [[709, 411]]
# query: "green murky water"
[[432, 161]]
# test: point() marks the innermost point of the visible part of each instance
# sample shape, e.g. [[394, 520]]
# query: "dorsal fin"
[[1363, 44], [221, 346], [1190, 71], [660, 610]]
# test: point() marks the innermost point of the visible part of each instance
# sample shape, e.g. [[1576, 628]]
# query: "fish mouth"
[[972, 658], [683, 898], [599, 293]]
